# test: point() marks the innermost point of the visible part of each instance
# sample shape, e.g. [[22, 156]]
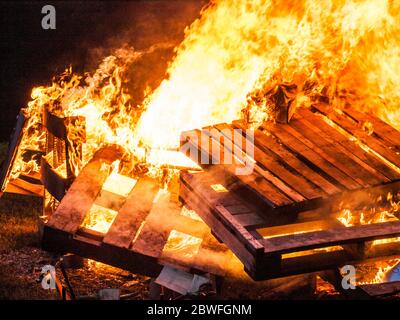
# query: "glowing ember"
[[99, 219], [375, 272], [181, 245], [190, 214], [119, 184], [378, 214]]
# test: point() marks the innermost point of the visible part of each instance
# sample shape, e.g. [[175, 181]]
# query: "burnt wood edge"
[[15, 140], [268, 267], [362, 291], [331, 237], [247, 239], [307, 185], [87, 235], [52, 181], [267, 207], [255, 263], [382, 130], [57, 125], [357, 197], [323, 261], [62, 242], [384, 149], [58, 220]]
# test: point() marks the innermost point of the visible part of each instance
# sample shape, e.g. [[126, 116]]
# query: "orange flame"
[[231, 61]]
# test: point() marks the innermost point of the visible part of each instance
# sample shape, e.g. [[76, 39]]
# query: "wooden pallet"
[[139, 238], [277, 219]]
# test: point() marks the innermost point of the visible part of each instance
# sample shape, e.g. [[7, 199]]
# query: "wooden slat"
[[296, 227], [307, 150], [156, 228], [381, 289], [55, 125], [84, 190], [345, 164], [11, 188], [35, 189], [267, 160], [268, 142], [134, 211], [52, 181], [384, 149], [221, 231], [210, 196], [380, 128], [59, 241], [315, 121], [250, 220], [16, 137], [255, 181], [361, 171], [331, 237], [110, 200]]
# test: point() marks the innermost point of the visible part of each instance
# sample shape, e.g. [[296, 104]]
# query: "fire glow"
[[345, 51], [233, 59]]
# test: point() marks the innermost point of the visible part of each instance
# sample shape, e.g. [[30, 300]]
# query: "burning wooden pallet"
[[131, 234], [279, 219], [144, 229]]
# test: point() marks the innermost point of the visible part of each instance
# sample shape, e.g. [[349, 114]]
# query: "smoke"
[[152, 27]]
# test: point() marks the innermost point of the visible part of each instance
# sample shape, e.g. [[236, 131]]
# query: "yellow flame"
[[233, 62]]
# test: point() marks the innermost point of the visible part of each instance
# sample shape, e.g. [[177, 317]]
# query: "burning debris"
[[318, 85]]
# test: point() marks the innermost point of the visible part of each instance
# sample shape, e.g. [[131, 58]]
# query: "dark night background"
[[86, 31]]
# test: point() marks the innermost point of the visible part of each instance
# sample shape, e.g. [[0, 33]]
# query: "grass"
[[18, 221], [18, 217], [19, 252]]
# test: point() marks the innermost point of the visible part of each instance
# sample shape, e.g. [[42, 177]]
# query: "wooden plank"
[[237, 196], [205, 211], [381, 289], [61, 242], [270, 143], [110, 200], [385, 150], [132, 214], [84, 190], [315, 121], [305, 149], [210, 196], [52, 181], [35, 189], [282, 185], [245, 235], [16, 137], [265, 183], [157, 227], [380, 128], [250, 220], [359, 170], [269, 161], [295, 227], [271, 194], [11, 188], [331, 237], [343, 163], [55, 125]]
